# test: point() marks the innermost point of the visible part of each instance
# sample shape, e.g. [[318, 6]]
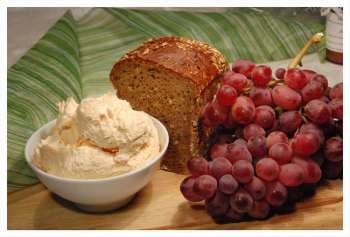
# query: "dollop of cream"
[[98, 138]]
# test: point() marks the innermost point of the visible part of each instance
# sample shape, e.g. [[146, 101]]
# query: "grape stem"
[[273, 83], [270, 85], [313, 40]]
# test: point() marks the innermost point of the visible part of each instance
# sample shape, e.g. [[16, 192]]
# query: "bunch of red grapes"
[[273, 141]]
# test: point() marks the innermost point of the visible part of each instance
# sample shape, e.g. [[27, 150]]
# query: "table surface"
[[160, 205]]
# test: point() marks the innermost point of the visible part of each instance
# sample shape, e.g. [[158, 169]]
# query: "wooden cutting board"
[[160, 205]]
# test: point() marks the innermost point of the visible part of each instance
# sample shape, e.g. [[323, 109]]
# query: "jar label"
[[334, 33]]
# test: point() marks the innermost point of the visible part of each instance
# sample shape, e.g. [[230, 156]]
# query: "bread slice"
[[171, 78]]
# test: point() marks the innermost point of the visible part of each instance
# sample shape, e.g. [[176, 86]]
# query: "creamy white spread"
[[98, 138]]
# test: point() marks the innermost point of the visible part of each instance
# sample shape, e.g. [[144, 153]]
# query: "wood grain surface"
[[160, 205]]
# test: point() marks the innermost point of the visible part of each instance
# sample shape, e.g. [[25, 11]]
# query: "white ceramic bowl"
[[97, 195]]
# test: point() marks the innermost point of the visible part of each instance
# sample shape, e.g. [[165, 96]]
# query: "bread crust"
[[190, 59]]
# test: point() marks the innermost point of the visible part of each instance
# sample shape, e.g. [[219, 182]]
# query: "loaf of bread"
[[171, 78]]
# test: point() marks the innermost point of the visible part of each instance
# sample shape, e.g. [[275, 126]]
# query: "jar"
[[334, 34]]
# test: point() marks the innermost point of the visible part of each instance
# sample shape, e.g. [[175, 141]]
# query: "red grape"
[[214, 114], [237, 152], [295, 78], [243, 66], [291, 175], [219, 167], [250, 84], [290, 121], [305, 144], [336, 106], [198, 166], [333, 149], [280, 72], [218, 205], [257, 146], [206, 115], [297, 193], [210, 164], [241, 141], [318, 111], [276, 137], [256, 160], [205, 186], [227, 184], [243, 110], [281, 153], [265, 116], [276, 193], [236, 80], [256, 188], [260, 96], [229, 123], [313, 128], [339, 127], [238, 132], [326, 92], [322, 79], [286, 97], [241, 201], [312, 171], [309, 74], [242, 171], [223, 138], [269, 147], [330, 129], [318, 158], [332, 170], [324, 99], [186, 189], [226, 95], [218, 150], [260, 210], [336, 91], [274, 127], [252, 130], [234, 216], [267, 169], [261, 75], [313, 90]]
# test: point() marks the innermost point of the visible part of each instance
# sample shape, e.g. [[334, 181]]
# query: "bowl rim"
[[113, 178]]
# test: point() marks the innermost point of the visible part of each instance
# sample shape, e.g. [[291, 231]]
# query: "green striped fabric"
[[75, 56], [48, 73]]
